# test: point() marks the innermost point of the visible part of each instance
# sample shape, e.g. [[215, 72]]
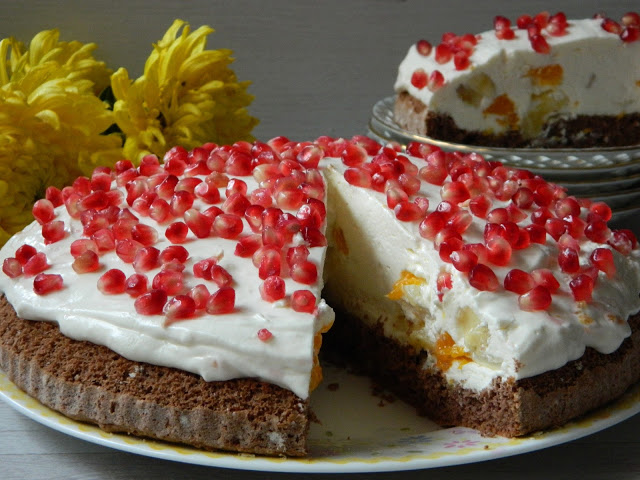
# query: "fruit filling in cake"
[[480, 293], [540, 81]]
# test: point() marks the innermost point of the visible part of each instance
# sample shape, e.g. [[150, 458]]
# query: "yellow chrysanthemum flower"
[[186, 96], [51, 121]]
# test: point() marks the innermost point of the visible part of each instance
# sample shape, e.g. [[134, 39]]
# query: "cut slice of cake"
[[543, 81], [181, 301]]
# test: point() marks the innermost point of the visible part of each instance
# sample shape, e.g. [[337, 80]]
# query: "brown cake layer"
[[583, 131], [91, 383], [509, 407]]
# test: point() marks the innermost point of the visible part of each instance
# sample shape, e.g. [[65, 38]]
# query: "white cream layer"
[[502, 340], [217, 347], [601, 76]]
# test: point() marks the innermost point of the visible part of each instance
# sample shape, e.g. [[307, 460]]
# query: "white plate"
[[555, 164], [359, 432]]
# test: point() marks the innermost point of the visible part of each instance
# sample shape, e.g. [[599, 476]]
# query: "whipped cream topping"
[[217, 347], [599, 74]]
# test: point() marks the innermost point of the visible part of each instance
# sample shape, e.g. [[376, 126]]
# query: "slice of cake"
[[181, 301], [543, 81]]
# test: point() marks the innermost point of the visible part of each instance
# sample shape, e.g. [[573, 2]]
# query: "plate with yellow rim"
[[359, 430]]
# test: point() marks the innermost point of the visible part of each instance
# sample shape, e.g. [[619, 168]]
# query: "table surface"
[[317, 68]]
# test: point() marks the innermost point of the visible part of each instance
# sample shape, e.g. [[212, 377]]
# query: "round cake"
[[184, 299], [540, 81]]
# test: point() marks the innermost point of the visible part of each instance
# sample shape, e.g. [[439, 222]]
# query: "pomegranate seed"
[[45, 283], [297, 254], [264, 335], [461, 60], [545, 278], [478, 249], [177, 232], [181, 201], [455, 192], [555, 227], [443, 53], [43, 211], [310, 156], [174, 252], [431, 225], [436, 80], [354, 155], [424, 47], [198, 223], [582, 288], [272, 289], [200, 294], [463, 260], [631, 18], [86, 262], [569, 260], [567, 206], [611, 26], [170, 281], [505, 34], [597, 231], [524, 21], [304, 271], [406, 211], [622, 241], [220, 276], [149, 165], [53, 231], [482, 278], [518, 281], [104, 240], [498, 215], [236, 204], [314, 237], [227, 226], [602, 258], [312, 213], [238, 164], [144, 234], [538, 298], [248, 245], [151, 303], [539, 44], [54, 195], [222, 301], [146, 258], [602, 210], [127, 249], [112, 282], [202, 268], [419, 78], [501, 23], [631, 33], [181, 307], [36, 264], [290, 199], [24, 253], [136, 285], [12, 267], [540, 216], [499, 251], [270, 263], [443, 283], [303, 301]]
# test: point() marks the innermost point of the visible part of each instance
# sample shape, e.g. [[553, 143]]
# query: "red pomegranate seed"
[[127, 249], [538, 298], [424, 48], [236, 204], [303, 301], [544, 277], [11, 267], [419, 78], [181, 201], [144, 234], [569, 260], [482, 278], [149, 165], [406, 211], [200, 294], [443, 53], [582, 287], [198, 223], [310, 156], [159, 210], [499, 251], [270, 263], [314, 237], [151, 303], [177, 232], [539, 44], [567, 206], [272, 289], [463, 260], [36, 264], [45, 283], [354, 155], [146, 258], [304, 271], [221, 276], [524, 21], [555, 227], [170, 281], [454, 192], [43, 211], [443, 283], [498, 215], [480, 205], [611, 26], [53, 231], [312, 213], [104, 239], [174, 252], [248, 245], [181, 307], [431, 225], [622, 241], [222, 301], [112, 282], [602, 258], [290, 199], [518, 281], [597, 231], [54, 195], [227, 226], [631, 33], [461, 60], [136, 285], [24, 253], [631, 18], [264, 335], [202, 268], [238, 164], [86, 262], [436, 80], [601, 209]]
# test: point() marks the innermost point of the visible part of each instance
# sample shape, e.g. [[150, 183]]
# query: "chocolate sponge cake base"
[[582, 131], [91, 383], [508, 407]]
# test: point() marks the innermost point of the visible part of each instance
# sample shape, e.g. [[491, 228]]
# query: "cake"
[[543, 81], [185, 300]]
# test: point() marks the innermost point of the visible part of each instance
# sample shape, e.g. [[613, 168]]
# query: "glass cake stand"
[[611, 175]]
